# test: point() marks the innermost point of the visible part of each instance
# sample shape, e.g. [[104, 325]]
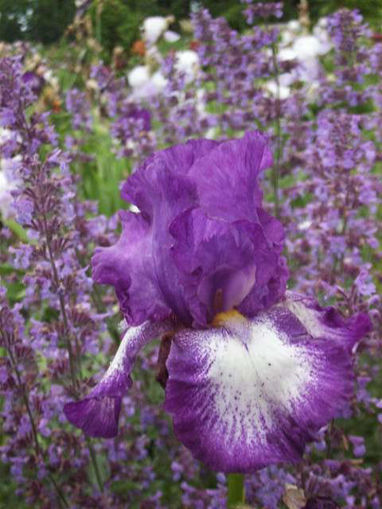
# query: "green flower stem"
[[236, 495]]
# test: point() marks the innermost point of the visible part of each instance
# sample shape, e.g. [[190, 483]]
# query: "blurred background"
[[118, 21]]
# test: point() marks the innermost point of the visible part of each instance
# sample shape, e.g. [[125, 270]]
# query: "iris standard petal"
[[97, 414], [250, 393], [145, 279], [273, 230], [209, 190], [141, 187], [272, 277], [219, 262], [128, 265], [227, 177]]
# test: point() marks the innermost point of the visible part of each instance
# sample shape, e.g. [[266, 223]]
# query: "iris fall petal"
[[97, 414], [250, 393]]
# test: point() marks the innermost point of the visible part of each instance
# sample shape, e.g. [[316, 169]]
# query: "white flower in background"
[[144, 84], [293, 31], [138, 76], [187, 62], [148, 80], [7, 184], [308, 46], [320, 31], [8, 181], [304, 225], [154, 27], [158, 80], [290, 31], [280, 91], [170, 36], [306, 49], [5, 195], [5, 135]]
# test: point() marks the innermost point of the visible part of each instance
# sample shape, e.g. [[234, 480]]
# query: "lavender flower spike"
[[251, 372]]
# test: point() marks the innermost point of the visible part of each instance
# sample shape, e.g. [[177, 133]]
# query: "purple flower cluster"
[[261, 10], [202, 241], [79, 107], [54, 284], [130, 123]]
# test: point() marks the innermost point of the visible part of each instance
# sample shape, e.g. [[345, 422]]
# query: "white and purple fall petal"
[[97, 414], [249, 393]]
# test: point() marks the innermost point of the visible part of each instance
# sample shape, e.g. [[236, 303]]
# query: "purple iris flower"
[[250, 370]]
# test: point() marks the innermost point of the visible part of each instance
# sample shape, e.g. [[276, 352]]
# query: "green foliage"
[[11, 22], [8, 490], [371, 10], [50, 19], [36, 20], [116, 24], [102, 175]]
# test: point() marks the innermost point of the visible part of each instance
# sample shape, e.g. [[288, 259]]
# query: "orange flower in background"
[[138, 48], [194, 45], [56, 106]]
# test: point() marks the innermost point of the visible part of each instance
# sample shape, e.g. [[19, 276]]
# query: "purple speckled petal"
[[250, 393], [97, 414]]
